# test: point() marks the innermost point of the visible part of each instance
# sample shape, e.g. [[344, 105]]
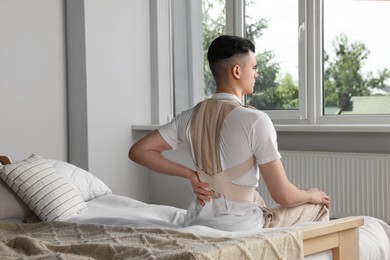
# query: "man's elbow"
[[133, 151], [282, 199]]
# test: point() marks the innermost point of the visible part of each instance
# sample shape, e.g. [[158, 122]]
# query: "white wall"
[[107, 87], [118, 87], [112, 42], [171, 190], [32, 79]]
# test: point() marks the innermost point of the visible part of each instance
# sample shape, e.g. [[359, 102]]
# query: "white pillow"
[[42, 188], [89, 186]]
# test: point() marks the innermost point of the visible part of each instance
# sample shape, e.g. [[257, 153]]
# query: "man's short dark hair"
[[225, 47]]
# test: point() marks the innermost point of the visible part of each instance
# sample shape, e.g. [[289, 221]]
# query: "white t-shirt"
[[245, 132]]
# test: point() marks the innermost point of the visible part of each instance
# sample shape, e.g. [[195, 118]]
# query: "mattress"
[[112, 209]]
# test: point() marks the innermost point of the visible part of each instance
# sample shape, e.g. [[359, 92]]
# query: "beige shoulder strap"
[[205, 128], [206, 123]]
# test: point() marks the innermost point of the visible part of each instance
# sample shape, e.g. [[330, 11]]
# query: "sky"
[[360, 20]]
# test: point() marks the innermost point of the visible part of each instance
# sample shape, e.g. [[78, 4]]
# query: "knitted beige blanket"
[[60, 240]]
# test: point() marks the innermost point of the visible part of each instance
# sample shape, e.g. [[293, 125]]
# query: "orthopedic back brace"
[[205, 128]]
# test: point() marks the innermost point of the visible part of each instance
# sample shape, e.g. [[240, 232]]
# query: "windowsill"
[[353, 128], [144, 127]]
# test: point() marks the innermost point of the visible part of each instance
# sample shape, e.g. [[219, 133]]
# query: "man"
[[229, 143]]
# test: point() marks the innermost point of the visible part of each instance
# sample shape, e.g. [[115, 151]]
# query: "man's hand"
[[200, 189], [148, 152], [318, 197]]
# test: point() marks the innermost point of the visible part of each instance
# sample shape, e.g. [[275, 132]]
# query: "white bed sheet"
[[112, 209]]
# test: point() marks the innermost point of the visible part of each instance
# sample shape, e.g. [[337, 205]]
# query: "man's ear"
[[236, 71]]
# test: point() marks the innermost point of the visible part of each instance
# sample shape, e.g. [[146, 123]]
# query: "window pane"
[[273, 26], [356, 57], [213, 25]]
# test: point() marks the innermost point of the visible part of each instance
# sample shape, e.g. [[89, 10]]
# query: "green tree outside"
[[343, 76]]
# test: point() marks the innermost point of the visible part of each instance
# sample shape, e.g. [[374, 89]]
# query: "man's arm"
[[284, 192], [147, 152]]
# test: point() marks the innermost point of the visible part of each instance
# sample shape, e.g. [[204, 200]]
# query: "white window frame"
[[374, 120], [310, 112], [187, 54], [309, 117], [161, 62], [235, 21]]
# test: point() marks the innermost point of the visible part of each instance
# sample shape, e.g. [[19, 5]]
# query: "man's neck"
[[226, 95], [229, 91]]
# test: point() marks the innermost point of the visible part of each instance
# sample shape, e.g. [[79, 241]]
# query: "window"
[[272, 26], [356, 58], [304, 51], [276, 30]]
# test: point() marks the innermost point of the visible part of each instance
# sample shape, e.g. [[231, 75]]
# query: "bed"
[[89, 221]]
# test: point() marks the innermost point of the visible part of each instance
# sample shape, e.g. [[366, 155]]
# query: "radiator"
[[357, 183]]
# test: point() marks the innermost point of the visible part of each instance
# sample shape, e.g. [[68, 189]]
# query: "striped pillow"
[[42, 188]]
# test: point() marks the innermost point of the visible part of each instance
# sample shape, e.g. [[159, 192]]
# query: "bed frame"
[[339, 235]]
